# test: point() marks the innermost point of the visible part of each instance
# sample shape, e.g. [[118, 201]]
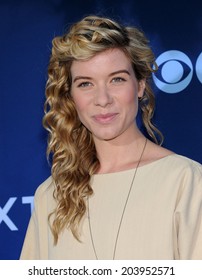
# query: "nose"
[[103, 97]]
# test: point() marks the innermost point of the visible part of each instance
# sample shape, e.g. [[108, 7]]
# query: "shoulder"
[[183, 170], [170, 160], [176, 169], [44, 201], [181, 165], [183, 162], [45, 190]]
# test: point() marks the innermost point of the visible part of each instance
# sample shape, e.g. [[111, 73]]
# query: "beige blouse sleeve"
[[188, 217], [36, 240], [30, 250]]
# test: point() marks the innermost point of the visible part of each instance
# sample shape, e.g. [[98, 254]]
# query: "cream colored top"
[[163, 218]]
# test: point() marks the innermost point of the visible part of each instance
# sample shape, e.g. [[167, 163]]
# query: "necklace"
[[123, 212]]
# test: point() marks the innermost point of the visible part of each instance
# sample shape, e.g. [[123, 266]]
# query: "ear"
[[141, 87]]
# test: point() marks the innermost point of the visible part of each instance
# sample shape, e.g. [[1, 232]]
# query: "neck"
[[119, 155]]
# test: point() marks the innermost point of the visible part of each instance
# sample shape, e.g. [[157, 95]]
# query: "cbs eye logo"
[[175, 71]]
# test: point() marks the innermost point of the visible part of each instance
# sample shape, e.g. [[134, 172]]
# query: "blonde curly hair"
[[70, 144]]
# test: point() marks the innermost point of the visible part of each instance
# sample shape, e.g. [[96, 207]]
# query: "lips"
[[105, 118]]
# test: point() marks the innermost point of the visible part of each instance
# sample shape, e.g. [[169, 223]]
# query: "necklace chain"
[[123, 212]]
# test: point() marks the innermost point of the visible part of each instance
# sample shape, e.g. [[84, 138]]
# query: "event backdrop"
[[26, 30]]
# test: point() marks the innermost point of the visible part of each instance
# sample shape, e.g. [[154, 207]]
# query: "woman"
[[114, 193]]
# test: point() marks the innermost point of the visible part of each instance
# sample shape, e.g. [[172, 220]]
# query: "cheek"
[[130, 103], [79, 102], [81, 106], [130, 97]]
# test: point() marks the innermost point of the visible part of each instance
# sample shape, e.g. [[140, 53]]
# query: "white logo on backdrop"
[[176, 71], [4, 211]]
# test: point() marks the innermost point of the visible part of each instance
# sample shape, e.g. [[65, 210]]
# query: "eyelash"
[[84, 84], [118, 79], [114, 80]]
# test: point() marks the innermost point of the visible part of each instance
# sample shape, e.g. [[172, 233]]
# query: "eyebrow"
[[81, 78], [111, 74], [119, 71]]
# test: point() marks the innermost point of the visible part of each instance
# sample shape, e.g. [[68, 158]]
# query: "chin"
[[105, 137]]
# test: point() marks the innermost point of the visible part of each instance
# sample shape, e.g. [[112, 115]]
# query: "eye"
[[175, 71], [84, 84], [118, 80]]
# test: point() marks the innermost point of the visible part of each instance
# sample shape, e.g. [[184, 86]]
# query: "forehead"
[[109, 60]]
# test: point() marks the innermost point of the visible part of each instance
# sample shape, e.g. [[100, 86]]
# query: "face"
[[105, 91]]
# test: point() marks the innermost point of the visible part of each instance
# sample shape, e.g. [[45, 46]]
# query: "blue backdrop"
[[26, 30]]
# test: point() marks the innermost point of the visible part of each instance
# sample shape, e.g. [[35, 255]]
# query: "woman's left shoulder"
[[185, 168], [185, 162], [156, 152]]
